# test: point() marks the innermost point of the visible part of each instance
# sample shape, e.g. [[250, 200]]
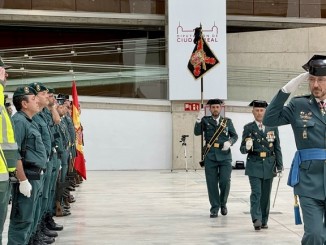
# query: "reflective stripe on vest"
[[7, 135], [3, 167]]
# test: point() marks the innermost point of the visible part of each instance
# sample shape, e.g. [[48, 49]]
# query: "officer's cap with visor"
[[25, 90], [316, 66], [258, 103], [60, 101], [38, 87], [2, 64], [63, 96], [215, 102]]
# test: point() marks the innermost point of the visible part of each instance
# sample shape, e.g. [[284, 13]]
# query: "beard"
[[318, 93], [215, 114]]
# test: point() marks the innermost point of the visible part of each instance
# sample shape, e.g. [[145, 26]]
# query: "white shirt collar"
[[217, 119]]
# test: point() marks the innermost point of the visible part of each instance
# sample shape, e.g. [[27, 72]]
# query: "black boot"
[[51, 225], [36, 240], [45, 239]]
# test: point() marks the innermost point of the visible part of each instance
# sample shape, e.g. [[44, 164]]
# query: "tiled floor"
[[160, 207]]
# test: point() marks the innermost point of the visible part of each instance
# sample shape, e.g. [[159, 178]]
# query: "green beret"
[[38, 87], [51, 90], [26, 90]]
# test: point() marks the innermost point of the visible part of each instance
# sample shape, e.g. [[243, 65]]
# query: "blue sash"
[[301, 156]]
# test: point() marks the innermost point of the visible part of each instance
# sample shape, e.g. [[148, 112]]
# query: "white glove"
[[25, 188], [226, 145], [249, 144], [295, 82], [201, 114]]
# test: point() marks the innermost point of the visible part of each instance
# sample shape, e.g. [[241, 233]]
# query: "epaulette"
[[248, 124]]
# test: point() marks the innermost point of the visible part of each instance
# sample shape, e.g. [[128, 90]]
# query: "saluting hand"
[[25, 188], [292, 85]]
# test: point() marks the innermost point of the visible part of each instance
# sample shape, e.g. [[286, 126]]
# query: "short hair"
[[17, 101]]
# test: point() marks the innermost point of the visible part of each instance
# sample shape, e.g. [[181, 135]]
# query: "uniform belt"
[[217, 145], [262, 154], [34, 169]]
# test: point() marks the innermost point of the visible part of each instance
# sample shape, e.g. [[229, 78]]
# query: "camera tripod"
[[184, 148]]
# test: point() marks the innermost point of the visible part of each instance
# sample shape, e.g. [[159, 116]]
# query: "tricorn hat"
[[316, 66], [215, 101], [258, 103]]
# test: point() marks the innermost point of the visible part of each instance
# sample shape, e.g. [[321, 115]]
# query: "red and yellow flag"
[[79, 164]]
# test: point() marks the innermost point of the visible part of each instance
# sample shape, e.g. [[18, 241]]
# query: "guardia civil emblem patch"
[[26, 90]]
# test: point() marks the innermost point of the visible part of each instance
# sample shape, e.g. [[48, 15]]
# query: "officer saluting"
[[264, 159], [306, 114], [218, 159]]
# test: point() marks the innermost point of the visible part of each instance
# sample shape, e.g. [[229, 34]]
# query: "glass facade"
[[115, 6], [114, 63], [111, 60], [278, 8]]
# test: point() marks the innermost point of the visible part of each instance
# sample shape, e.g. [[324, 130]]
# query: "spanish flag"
[[79, 164]]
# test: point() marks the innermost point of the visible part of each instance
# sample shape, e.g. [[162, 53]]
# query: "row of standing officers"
[[38, 148]]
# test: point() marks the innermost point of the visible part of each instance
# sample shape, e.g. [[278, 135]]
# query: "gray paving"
[[160, 207]]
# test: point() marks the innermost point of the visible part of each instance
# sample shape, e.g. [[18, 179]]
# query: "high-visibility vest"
[[4, 175], [7, 135]]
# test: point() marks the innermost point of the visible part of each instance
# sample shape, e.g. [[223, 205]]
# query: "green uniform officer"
[[29, 169], [218, 160], [264, 160], [53, 119], [40, 120], [306, 114]]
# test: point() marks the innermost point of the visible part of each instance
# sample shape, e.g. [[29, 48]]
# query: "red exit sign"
[[191, 106]]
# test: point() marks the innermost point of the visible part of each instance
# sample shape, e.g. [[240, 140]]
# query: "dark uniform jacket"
[[29, 138], [229, 134], [309, 127], [265, 156]]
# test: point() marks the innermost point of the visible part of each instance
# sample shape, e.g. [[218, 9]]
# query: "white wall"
[[122, 139], [286, 138]]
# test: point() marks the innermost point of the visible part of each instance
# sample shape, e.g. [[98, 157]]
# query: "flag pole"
[[201, 60], [202, 106]]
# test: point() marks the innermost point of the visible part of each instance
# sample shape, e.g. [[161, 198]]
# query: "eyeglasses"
[[319, 80]]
